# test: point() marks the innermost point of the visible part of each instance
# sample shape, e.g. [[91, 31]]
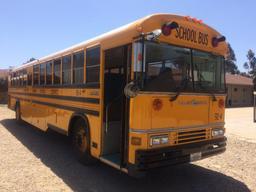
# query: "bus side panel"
[[34, 114], [95, 134], [43, 116]]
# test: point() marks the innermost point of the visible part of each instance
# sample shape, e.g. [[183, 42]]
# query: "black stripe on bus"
[[69, 98], [69, 108], [69, 86]]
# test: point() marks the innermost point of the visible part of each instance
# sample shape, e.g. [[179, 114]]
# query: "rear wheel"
[[81, 142]]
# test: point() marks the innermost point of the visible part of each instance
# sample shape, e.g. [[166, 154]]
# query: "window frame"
[[73, 68], [42, 64], [53, 72], [38, 73], [70, 70], [91, 66]]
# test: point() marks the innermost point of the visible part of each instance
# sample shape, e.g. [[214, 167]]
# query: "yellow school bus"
[[146, 95]]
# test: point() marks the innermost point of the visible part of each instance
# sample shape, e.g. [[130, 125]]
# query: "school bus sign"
[[192, 35]]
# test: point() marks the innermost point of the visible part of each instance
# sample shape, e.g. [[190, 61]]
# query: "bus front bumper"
[[166, 156]]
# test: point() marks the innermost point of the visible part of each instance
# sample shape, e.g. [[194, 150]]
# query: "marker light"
[[187, 18], [217, 40], [200, 21], [195, 20], [136, 141], [168, 27]]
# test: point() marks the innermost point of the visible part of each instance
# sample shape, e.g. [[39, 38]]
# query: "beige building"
[[3, 85], [239, 91]]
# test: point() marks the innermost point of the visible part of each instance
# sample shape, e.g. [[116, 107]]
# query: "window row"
[[21, 78], [66, 70]]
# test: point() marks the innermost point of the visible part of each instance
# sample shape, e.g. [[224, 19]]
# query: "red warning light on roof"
[[217, 40], [168, 27]]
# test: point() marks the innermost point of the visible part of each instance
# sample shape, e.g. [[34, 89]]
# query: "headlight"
[[159, 140], [217, 132]]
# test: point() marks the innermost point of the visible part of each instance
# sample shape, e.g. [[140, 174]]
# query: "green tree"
[[31, 59], [231, 66], [250, 65]]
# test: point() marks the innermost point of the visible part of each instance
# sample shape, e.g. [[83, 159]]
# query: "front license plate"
[[195, 156]]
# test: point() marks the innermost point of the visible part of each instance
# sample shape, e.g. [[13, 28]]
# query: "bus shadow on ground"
[[55, 152]]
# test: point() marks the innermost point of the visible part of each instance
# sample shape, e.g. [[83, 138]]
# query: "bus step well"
[[113, 160]]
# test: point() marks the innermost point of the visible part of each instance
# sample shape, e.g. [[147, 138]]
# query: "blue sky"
[[32, 28]]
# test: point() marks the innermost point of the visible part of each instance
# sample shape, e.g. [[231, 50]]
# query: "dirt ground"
[[31, 160]]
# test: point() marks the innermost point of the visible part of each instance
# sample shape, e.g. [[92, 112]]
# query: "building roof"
[[238, 79], [3, 73]]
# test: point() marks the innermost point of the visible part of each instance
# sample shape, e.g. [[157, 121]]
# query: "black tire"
[[17, 113], [81, 142]]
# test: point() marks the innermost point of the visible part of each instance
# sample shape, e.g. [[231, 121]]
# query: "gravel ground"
[[31, 160]]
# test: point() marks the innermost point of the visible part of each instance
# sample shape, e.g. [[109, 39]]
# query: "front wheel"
[[81, 142]]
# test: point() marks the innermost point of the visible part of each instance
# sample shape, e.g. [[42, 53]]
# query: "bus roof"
[[131, 30]]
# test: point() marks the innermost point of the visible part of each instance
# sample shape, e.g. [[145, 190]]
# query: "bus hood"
[[188, 110]]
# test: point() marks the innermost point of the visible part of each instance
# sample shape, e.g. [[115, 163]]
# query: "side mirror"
[[131, 90]]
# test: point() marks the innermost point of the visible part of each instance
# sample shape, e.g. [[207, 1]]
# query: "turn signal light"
[[136, 141], [168, 27], [221, 103], [157, 104]]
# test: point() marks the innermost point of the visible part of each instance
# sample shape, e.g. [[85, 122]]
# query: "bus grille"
[[191, 136]]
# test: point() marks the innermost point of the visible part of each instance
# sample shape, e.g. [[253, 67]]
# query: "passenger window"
[[20, 78], [42, 74], [56, 77], [78, 68], [36, 75], [93, 65], [25, 77], [66, 70], [49, 73], [29, 79]]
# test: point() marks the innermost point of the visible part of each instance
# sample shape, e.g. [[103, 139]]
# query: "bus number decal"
[[218, 116]]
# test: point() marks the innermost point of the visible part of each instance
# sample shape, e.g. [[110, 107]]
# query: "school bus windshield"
[[172, 68]]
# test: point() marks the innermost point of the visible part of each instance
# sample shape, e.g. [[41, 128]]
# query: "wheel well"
[[75, 118]]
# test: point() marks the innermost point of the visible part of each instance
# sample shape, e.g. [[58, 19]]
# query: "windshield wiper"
[[183, 84]]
